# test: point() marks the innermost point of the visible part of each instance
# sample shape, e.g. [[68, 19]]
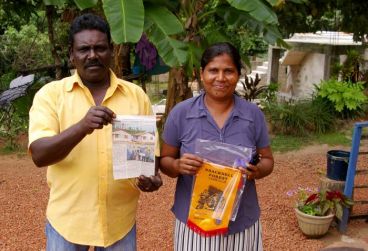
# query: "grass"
[[7, 149], [285, 143]]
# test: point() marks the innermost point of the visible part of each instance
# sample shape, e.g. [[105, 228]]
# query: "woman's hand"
[[188, 164], [264, 166], [251, 171]]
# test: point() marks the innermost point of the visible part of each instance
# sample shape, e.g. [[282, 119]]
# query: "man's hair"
[[88, 22]]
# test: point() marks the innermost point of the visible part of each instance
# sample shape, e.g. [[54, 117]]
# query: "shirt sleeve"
[[171, 131], [147, 107], [262, 138], [43, 118]]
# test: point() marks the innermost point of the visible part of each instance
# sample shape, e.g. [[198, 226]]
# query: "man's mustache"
[[93, 63]]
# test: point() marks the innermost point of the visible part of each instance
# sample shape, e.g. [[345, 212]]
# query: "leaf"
[[297, 1], [160, 24], [271, 34], [172, 5], [237, 18], [215, 36], [54, 2], [273, 2], [257, 9], [126, 19], [84, 4], [194, 56], [338, 210], [173, 52], [326, 208], [165, 20]]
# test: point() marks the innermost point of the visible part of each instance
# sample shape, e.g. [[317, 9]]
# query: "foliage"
[[248, 42], [12, 124], [24, 49], [300, 118], [312, 16], [350, 70], [126, 19], [270, 93], [251, 90], [287, 118], [345, 96], [321, 203], [320, 114], [14, 116], [164, 23], [5, 79], [17, 13]]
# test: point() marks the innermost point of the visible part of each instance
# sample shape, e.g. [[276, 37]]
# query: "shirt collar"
[[198, 109], [76, 80]]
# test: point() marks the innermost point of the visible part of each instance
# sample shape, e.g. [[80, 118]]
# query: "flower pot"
[[313, 226]]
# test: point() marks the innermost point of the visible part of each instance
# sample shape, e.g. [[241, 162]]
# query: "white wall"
[[301, 78]]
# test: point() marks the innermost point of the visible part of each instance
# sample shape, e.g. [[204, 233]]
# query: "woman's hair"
[[218, 49], [88, 22]]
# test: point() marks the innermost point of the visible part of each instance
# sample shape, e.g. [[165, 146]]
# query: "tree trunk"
[[178, 89], [50, 9], [117, 65], [125, 59]]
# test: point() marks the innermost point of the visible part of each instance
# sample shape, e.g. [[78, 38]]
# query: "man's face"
[[91, 56]]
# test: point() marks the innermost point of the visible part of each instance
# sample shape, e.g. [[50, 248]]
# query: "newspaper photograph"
[[133, 146]]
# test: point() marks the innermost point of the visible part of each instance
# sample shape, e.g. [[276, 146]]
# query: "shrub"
[[300, 118], [24, 49], [347, 98], [321, 115], [251, 89]]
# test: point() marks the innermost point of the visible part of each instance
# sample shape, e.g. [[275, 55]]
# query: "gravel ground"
[[24, 193]]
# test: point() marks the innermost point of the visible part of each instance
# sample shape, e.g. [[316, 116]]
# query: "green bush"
[[321, 116], [5, 80], [300, 118], [347, 98], [24, 49]]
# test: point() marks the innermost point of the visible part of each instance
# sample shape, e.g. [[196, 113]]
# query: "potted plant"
[[316, 210]]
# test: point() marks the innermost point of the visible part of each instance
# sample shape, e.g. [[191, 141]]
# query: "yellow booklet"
[[214, 192]]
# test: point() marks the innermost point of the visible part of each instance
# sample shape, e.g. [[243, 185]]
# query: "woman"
[[218, 115]]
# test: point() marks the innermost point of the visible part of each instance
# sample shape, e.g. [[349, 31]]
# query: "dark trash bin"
[[337, 164]]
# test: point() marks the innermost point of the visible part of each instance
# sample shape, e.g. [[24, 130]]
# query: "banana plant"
[[177, 28], [164, 26]]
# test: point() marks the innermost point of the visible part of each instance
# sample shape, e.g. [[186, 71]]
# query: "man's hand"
[[96, 118], [149, 184]]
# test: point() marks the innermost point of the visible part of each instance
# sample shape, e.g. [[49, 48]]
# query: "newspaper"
[[133, 146]]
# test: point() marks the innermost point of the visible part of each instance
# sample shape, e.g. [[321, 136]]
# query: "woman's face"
[[219, 77]]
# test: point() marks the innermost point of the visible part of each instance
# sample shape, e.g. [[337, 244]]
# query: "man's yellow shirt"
[[86, 205]]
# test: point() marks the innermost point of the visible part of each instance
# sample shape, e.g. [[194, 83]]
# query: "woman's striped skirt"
[[187, 240]]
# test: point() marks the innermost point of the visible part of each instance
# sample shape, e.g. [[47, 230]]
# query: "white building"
[[308, 61], [121, 135]]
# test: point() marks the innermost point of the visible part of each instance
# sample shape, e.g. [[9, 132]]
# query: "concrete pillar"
[[327, 67], [273, 64]]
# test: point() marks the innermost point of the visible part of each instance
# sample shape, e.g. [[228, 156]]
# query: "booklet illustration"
[[133, 146]]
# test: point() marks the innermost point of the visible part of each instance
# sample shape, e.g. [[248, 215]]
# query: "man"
[[70, 132]]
